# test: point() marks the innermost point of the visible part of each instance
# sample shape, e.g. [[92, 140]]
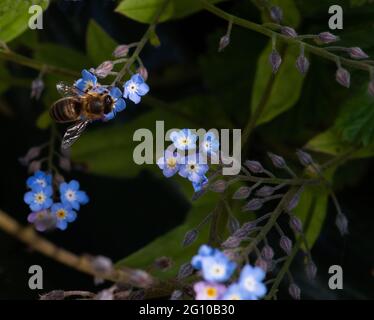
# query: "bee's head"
[[108, 103]]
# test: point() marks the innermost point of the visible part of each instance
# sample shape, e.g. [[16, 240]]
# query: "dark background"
[[99, 230]]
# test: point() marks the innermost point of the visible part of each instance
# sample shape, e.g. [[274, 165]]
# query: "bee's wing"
[[73, 133], [66, 89]]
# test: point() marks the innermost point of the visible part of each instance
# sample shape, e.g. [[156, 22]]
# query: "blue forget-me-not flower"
[[135, 88], [71, 195]]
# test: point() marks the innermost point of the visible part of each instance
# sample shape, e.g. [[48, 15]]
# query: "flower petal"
[[115, 92], [134, 97], [143, 89], [120, 105]]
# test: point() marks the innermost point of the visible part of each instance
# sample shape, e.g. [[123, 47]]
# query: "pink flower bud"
[[357, 53], [190, 237], [267, 252], [286, 244], [223, 42], [103, 70], [276, 14], [231, 242], [242, 193], [275, 60], [294, 291], [289, 32], [218, 186], [311, 270], [254, 166], [143, 72], [302, 64], [342, 223], [326, 37], [343, 77], [253, 205], [121, 51], [37, 87]]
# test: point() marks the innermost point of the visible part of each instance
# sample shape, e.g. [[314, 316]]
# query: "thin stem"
[[80, 263], [295, 249], [293, 182], [141, 43], [34, 64], [274, 217], [319, 51]]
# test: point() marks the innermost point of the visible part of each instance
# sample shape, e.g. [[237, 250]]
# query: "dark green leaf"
[[60, 56], [145, 10], [330, 142], [312, 209], [100, 45], [285, 89], [356, 120], [14, 17]]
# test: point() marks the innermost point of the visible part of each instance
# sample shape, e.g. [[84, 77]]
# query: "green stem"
[[34, 64], [273, 219], [142, 42], [319, 51], [286, 266], [293, 182]]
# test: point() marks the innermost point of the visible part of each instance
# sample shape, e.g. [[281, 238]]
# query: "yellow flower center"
[[211, 292], [218, 270], [250, 283], [61, 214], [39, 197], [172, 162]]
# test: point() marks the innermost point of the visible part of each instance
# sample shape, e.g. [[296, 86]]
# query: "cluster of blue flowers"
[[216, 269], [191, 167], [47, 214], [133, 90]]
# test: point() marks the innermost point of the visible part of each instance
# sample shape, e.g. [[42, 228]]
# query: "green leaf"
[[145, 10], [330, 142], [356, 120], [14, 17], [285, 90], [312, 209], [60, 56], [99, 44], [170, 244]]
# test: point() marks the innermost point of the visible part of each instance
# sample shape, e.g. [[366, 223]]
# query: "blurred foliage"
[[144, 11], [225, 90], [14, 17], [286, 89]]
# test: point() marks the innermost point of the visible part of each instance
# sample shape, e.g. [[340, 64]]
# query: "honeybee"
[[79, 107]]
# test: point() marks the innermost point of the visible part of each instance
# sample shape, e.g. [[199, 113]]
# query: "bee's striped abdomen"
[[66, 109]]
